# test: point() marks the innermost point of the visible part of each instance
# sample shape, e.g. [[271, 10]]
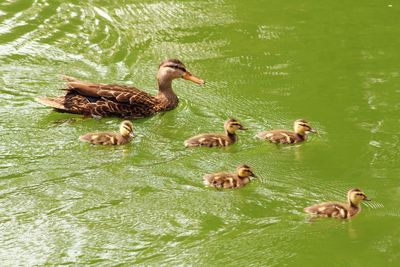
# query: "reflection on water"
[[266, 64]]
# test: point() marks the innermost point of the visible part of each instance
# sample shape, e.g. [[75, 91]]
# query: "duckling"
[[111, 138], [230, 180], [340, 210], [100, 100], [301, 129], [217, 139]]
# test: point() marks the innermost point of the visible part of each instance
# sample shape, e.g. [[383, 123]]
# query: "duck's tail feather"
[[69, 78], [56, 102]]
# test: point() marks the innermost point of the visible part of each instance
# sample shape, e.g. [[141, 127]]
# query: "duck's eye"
[[177, 67]]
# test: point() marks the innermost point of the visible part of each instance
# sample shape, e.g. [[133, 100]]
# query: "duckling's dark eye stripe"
[[127, 128], [176, 67]]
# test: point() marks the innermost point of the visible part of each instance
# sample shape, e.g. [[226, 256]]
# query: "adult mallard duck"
[[100, 100], [340, 210], [111, 138], [230, 180], [301, 129], [217, 139]]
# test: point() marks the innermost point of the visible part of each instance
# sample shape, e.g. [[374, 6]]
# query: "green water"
[[266, 63]]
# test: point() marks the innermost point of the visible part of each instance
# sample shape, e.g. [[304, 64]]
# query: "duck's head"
[[356, 196], [302, 127], [244, 170], [172, 69], [232, 125], [126, 129]]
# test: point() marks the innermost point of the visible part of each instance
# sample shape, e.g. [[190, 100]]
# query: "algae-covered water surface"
[[265, 63]]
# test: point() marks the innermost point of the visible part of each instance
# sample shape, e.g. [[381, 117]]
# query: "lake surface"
[[266, 63]]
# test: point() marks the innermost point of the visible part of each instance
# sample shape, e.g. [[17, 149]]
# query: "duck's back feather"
[[115, 92]]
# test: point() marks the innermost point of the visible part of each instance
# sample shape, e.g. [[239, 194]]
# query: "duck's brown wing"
[[329, 209], [279, 136], [209, 140], [103, 100], [115, 92], [103, 138]]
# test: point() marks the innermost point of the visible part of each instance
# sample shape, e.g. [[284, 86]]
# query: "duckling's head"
[[244, 170], [356, 196], [172, 69], [302, 127], [232, 125], [126, 128]]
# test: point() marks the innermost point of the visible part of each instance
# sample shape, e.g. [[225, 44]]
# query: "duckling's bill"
[[367, 199]]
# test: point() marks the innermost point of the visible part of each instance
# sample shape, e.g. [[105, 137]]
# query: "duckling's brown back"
[[104, 139], [281, 136], [220, 180], [208, 140], [329, 209]]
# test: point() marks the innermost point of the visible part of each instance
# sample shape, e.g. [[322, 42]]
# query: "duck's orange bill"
[[190, 77]]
